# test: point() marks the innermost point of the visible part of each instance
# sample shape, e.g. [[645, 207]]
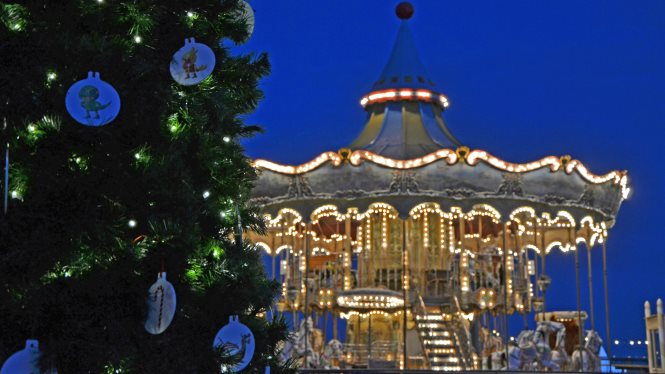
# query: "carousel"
[[408, 249]]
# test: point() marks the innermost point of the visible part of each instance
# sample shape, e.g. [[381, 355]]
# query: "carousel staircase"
[[441, 339]]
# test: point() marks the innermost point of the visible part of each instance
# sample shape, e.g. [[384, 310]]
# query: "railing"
[[384, 354], [420, 309]]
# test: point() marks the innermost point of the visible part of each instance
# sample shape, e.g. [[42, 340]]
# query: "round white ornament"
[[92, 101], [192, 63], [161, 305], [238, 340], [24, 361]]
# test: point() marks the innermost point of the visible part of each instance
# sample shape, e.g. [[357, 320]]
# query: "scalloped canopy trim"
[[472, 158]]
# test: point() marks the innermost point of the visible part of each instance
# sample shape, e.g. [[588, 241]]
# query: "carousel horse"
[[528, 351], [491, 352], [547, 358], [295, 345], [588, 358], [535, 351], [332, 354]]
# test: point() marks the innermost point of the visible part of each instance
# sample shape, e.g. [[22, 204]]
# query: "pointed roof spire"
[[404, 110], [404, 68]]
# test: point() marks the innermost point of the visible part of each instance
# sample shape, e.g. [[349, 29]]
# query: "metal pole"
[[404, 286], [607, 304], [306, 309], [591, 306], [369, 340], [505, 291], [579, 302]]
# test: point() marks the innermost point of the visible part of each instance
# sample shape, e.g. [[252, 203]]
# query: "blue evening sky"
[[526, 79]]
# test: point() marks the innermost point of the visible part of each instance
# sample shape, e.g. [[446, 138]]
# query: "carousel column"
[[347, 252], [505, 289], [306, 306], [607, 305], [580, 327], [591, 306], [542, 285], [405, 287]]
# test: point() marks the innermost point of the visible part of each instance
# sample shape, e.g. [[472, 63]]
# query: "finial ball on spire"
[[404, 10]]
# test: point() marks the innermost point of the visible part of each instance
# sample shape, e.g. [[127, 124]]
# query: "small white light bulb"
[[632, 342], [137, 39], [206, 194], [31, 128], [190, 14], [222, 214], [174, 128], [226, 139], [616, 342], [51, 76], [137, 156], [131, 223], [14, 194]]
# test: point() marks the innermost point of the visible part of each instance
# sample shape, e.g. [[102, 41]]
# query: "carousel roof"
[[406, 156]]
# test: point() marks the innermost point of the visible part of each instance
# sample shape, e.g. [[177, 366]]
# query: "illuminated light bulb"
[[51, 76], [137, 39], [14, 194], [222, 214], [632, 342], [100, 1], [226, 139], [206, 194], [190, 14], [173, 128], [131, 223], [137, 156], [31, 128]]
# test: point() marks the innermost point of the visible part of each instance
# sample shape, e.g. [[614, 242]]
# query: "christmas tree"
[[96, 212]]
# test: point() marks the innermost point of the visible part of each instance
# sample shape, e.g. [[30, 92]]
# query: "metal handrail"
[[421, 304]]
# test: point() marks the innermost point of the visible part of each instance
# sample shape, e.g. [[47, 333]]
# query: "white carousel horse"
[[588, 358], [528, 351], [535, 351], [559, 354], [332, 354], [546, 358]]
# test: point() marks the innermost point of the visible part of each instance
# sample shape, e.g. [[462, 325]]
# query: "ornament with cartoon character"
[[238, 341], [25, 361], [92, 101], [192, 63]]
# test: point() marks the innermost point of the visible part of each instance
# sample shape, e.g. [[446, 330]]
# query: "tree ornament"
[[246, 13], [161, 305], [237, 339], [192, 63], [25, 361], [92, 101]]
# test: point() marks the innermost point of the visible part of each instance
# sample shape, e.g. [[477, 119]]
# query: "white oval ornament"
[[24, 361], [246, 13], [92, 101], [238, 340], [192, 63], [161, 305]]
